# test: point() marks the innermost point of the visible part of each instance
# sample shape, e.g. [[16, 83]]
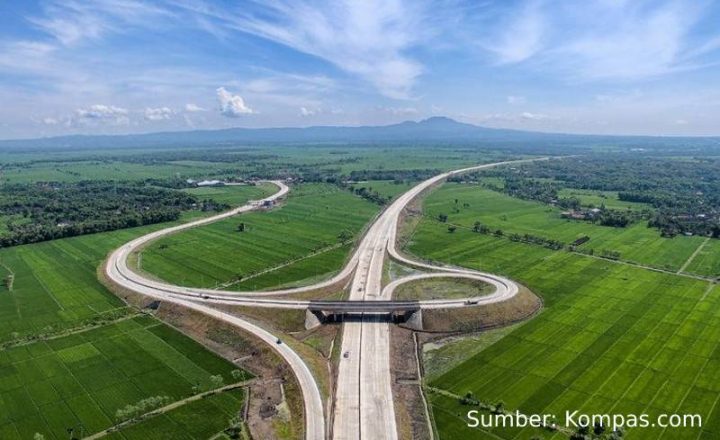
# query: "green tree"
[[216, 381]]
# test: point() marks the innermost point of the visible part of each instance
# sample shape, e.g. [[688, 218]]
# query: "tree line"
[[46, 211], [684, 193]]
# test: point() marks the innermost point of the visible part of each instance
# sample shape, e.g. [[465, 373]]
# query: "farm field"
[[707, 260], [314, 218], [598, 198], [84, 378], [636, 243], [300, 272], [387, 188], [613, 338], [75, 172], [233, 195], [56, 284], [198, 419], [115, 164]]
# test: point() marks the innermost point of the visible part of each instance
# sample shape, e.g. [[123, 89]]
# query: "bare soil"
[[410, 415]]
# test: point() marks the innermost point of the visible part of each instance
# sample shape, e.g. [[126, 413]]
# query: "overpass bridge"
[[321, 312], [359, 306]]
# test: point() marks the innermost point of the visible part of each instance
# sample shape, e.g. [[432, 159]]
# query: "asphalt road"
[[363, 405], [118, 271]]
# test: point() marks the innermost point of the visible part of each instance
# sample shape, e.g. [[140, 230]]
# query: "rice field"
[[233, 195], [599, 198], [707, 260], [387, 188], [316, 218], [636, 243], [198, 419], [613, 338], [56, 284], [80, 381]]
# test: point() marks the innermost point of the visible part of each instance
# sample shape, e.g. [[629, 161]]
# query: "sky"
[[127, 66]]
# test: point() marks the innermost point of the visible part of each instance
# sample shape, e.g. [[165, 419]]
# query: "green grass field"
[[598, 198], [56, 282], [387, 188], [311, 221], [636, 243], [114, 164], [233, 195], [613, 338], [84, 378], [707, 261], [197, 419]]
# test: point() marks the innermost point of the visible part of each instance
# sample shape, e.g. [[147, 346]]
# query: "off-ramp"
[[363, 405]]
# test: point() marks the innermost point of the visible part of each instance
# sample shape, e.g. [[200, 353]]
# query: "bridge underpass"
[[398, 312]]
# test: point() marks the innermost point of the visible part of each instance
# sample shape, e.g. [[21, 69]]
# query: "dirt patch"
[[410, 414], [468, 319], [442, 288]]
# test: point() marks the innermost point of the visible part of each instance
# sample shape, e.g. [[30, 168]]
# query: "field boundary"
[[598, 257], [166, 408], [286, 264], [693, 255]]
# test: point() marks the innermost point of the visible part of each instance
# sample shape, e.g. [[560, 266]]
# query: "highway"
[[363, 404]]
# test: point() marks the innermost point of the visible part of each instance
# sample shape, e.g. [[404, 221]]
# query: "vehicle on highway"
[[278, 341], [346, 354]]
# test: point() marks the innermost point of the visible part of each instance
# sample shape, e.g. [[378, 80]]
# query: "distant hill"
[[436, 130]]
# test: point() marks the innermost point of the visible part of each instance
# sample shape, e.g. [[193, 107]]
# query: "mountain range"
[[436, 130]]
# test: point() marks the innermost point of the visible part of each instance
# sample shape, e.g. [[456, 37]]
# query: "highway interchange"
[[363, 405]]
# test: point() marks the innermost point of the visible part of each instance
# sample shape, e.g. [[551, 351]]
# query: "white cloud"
[[533, 116], [100, 113], [231, 105], [512, 100], [600, 39], [399, 111], [304, 111], [681, 122], [637, 44], [521, 36], [365, 38], [193, 108], [158, 114], [71, 22], [513, 117], [50, 121]]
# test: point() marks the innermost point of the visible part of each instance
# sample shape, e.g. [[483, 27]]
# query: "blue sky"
[[126, 66]]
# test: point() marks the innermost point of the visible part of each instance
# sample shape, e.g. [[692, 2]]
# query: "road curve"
[[363, 401], [364, 406], [118, 271]]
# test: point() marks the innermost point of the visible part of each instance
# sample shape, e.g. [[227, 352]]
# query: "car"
[[346, 354], [278, 341]]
